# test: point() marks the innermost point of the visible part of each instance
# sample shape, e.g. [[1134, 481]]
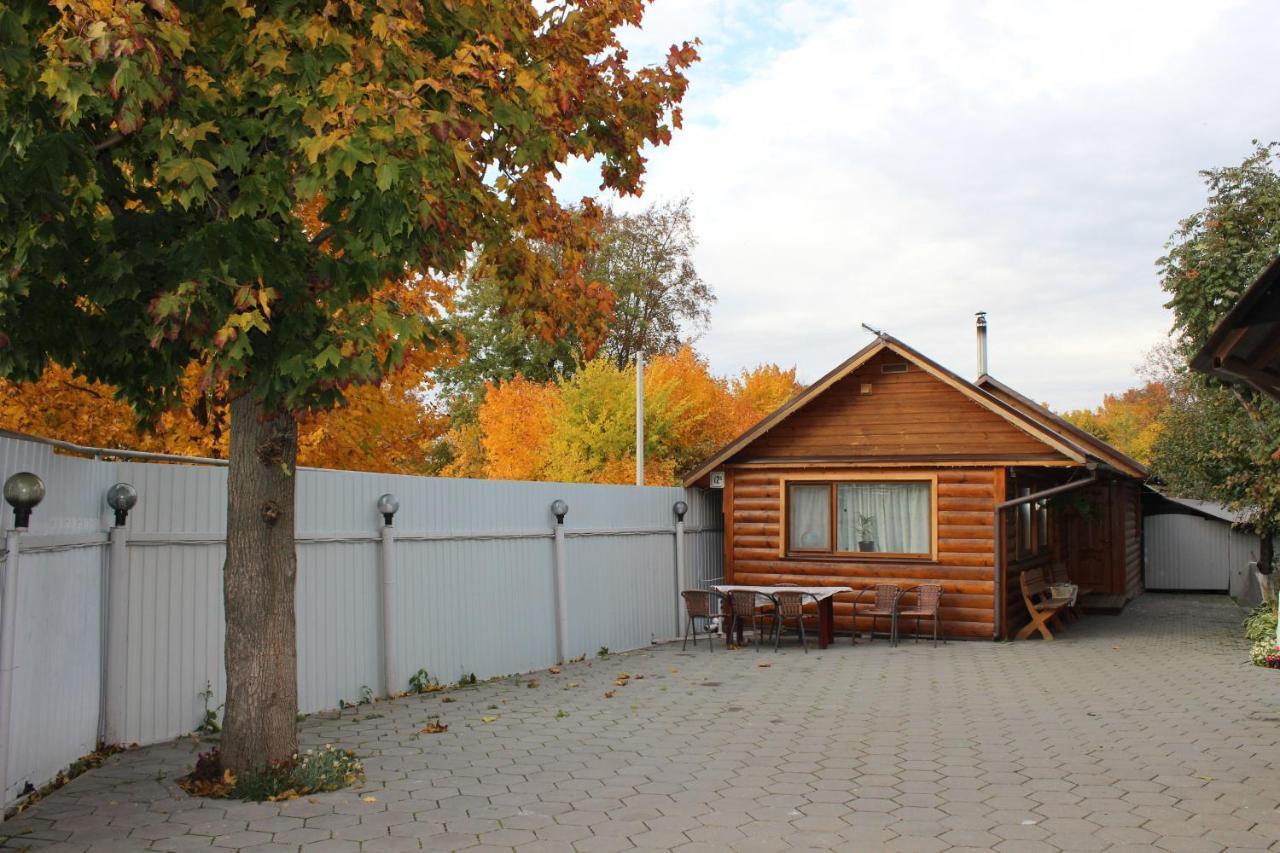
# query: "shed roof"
[[1208, 509], [1017, 410]]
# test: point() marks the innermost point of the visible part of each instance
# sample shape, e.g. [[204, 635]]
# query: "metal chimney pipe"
[[982, 343]]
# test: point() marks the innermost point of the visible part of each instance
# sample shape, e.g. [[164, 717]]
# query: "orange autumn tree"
[[582, 429], [1130, 420], [385, 427]]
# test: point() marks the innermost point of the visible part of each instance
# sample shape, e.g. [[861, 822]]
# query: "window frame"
[[832, 480], [1032, 528]]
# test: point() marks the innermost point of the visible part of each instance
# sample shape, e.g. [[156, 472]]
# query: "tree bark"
[[260, 725], [1266, 552]]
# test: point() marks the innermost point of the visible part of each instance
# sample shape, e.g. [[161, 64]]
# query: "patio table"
[[825, 596]]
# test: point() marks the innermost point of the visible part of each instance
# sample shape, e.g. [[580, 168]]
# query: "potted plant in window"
[[866, 532]]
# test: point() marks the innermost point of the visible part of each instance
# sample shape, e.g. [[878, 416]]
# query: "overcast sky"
[[905, 164]]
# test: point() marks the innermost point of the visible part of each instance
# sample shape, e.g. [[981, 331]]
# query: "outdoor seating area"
[[768, 610], [1011, 747]]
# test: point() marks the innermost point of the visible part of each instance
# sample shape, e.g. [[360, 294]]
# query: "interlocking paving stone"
[[1145, 731]]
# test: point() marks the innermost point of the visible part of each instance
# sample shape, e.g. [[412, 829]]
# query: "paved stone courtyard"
[[1144, 731]]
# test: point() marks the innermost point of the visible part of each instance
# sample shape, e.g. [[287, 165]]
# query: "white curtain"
[[810, 517], [895, 517]]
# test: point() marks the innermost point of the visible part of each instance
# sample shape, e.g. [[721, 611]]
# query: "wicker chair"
[[928, 599], [701, 604], [789, 605], [885, 603], [743, 608]]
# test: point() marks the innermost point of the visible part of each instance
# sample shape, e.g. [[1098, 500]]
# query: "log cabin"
[[892, 468]]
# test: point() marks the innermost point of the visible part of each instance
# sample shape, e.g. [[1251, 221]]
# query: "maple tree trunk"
[[259, 575], [1266, 553]]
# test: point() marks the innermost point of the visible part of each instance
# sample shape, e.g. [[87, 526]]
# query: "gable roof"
[[1096, 446], [1055, 438]]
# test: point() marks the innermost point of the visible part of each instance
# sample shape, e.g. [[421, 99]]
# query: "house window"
[[886, 518], [810, 517], [1031, 528]]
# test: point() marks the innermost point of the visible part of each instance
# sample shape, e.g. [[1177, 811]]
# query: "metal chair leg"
[[688, 622]]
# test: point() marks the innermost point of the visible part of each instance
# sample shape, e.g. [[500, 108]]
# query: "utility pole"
[[639, 418]]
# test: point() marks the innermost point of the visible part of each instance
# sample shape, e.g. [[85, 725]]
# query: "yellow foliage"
[[583, 429], [1129, 421]]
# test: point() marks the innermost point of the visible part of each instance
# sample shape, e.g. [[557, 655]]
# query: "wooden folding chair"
[[1042, 607]]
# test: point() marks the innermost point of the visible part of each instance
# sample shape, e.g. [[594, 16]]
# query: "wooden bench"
[[1041, 605]]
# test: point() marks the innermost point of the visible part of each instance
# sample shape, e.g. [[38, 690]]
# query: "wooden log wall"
[[1130, 498], [966, 500]]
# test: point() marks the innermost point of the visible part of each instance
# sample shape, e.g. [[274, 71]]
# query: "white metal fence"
[[471, 563]]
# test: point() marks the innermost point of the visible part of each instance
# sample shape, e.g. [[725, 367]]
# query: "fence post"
[[121, 498], [8, 634], [559, 508], [23, 492], [680, 508], [388, 505]]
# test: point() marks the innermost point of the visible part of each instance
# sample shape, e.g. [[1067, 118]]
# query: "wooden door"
[[1087, 537]]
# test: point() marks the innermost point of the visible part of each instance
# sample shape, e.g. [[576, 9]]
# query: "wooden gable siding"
[[964, 514], [909, 414]]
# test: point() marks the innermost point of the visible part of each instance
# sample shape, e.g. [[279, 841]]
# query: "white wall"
[[1189, 552], [474, 590]]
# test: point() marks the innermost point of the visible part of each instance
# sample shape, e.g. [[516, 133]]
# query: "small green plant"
[[1260, 630], [422, 682], [1261, 623], [327, 769], [561, 714], [866, 527], [209, 724], [467, 680], [603, 653], [1087, 510], [366, 695]]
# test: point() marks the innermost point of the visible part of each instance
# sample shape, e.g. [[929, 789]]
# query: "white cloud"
[[905, 164]]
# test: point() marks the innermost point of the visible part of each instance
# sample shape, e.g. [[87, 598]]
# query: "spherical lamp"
[[23, 492], [388, 506], [559, 509], [122, 497]]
